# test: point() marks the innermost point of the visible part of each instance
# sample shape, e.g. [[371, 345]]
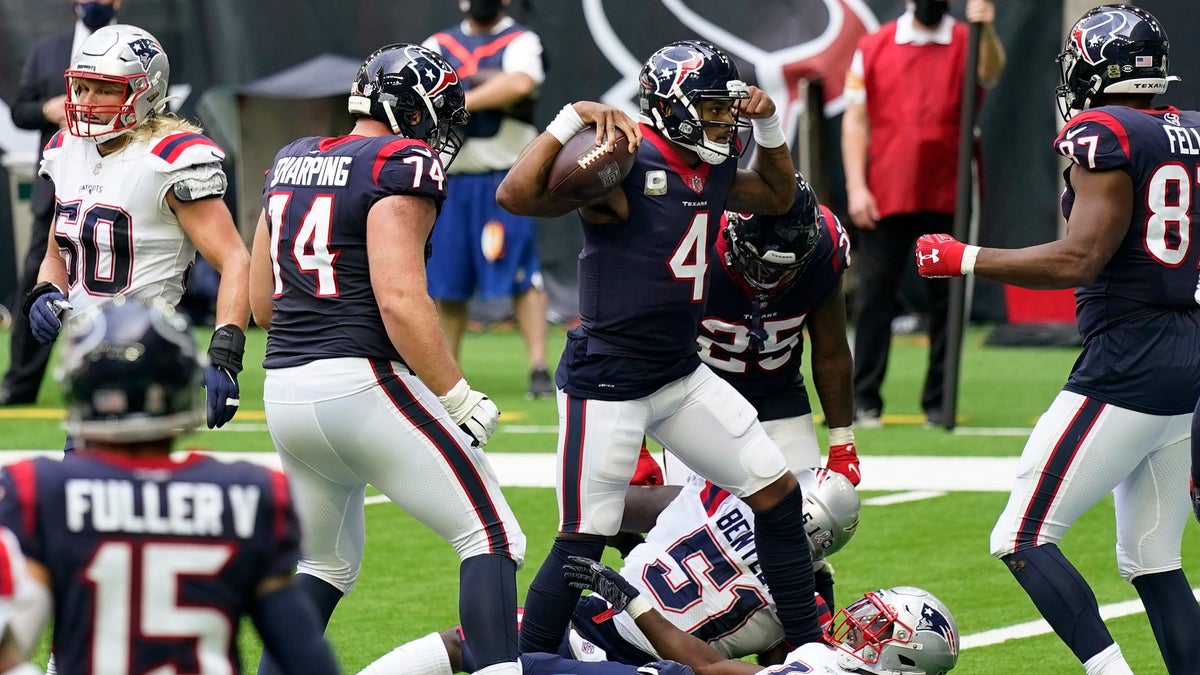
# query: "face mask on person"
[[481, 10], [95, 15], [930, 12]]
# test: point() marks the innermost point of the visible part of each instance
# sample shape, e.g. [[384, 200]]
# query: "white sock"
[[1108, 662], [425, 656], [51, 666], [511, 668]]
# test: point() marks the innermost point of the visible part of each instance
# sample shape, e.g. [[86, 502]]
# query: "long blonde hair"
[[161, 124]]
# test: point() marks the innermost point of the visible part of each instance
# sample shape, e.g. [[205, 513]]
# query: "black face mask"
[[484, 11], [930, 12]]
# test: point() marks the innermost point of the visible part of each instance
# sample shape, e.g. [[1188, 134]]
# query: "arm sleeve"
[[288, 625]]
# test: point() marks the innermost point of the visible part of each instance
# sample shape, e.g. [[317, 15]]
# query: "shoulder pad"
[[184, 149], [1095, 140]]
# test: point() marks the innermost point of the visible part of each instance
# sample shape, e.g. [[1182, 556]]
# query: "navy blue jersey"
[[317, 195], [768, 373], [643, 282], [152, 562], [1140, 318]]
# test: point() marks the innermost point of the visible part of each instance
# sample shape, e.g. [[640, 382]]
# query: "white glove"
[[472, 411]]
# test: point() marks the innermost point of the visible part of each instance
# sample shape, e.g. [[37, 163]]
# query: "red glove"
[[940, 255], [844, 460], [648, 471]]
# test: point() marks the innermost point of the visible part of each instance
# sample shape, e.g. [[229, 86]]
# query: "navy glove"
[[45, 306], [589, 575], [220, 377]]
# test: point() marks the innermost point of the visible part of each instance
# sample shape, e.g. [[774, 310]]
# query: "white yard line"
[[901, 497], [1039, 627]]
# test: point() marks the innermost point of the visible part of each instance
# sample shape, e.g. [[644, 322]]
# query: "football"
[[583, 170]]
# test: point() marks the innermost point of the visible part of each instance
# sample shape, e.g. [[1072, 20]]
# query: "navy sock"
[[324, 598], [1174, 618], [787, 567], [487, 608], [823, 579], [550, 602], [1063, 597]]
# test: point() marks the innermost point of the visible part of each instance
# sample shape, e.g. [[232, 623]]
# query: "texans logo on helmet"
[[933, 620], [445, 78], [1091, 38]]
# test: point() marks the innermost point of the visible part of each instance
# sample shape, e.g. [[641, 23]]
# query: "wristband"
[[970, 253], [566, 124], [768, 132], [637, 607], [841, 435]]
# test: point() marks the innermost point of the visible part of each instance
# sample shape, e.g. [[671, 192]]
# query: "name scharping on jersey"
[[322, 171], [176, 508]]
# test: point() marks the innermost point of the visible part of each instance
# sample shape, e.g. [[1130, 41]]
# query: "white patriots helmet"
[[127, 55], [831, 507], [895, 631]]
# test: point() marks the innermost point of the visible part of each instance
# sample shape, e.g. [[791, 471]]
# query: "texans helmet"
[[673, 86], [415, 93], [831, 507], [1112, 49], [130, 373], [896, 630], [126, 55], [771, 252]]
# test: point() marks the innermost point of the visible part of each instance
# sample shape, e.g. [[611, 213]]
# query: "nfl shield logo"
[[697, 184]]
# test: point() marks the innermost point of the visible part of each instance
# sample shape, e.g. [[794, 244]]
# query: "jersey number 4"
[[310, 245]]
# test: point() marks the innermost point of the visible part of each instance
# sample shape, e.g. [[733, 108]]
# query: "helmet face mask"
[[689, 91], [415, 93], [1112, 49], [771, 252], [121, 55], [896, 630]]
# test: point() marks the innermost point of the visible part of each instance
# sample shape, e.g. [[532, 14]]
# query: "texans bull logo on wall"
[[778, 45]]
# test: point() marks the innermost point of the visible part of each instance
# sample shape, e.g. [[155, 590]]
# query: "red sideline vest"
[[914, 101]]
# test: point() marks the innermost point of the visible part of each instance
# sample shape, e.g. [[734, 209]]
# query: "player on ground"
[[631, 368], [1121, 422], [138, 193], [152, 561], [889, 631], [361, 387], [698, 566]]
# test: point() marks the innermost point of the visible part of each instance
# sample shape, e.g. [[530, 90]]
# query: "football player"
[[152, 560], [890, 631], [698, 567], [138, 193], [19, 596], [358, 388], [1122, 421], [631, 368]]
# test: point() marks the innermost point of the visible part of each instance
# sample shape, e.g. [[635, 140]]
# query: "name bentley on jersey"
[[332, 171], [177, 508], [739, 534]]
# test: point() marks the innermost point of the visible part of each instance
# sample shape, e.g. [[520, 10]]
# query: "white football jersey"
[[699, 569], [112, 223], [816, 658]]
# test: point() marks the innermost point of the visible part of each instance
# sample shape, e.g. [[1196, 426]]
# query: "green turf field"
[[409, 582]]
